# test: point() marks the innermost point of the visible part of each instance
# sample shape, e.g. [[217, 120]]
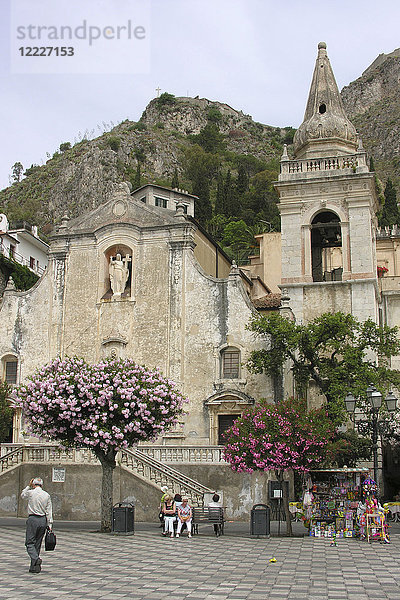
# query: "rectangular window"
[[31, 262], [162, 202], [230, 364], [11, 371], [12, 251]]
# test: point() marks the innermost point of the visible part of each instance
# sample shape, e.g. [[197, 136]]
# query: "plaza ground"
[[87, 566]]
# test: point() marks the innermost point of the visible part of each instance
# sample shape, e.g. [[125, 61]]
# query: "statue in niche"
[[119, 273]]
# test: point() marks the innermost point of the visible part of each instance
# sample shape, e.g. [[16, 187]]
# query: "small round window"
[[322, 109]]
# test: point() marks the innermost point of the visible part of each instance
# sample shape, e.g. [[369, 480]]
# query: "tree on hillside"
[[136, 180], [390, 213], [6, 412], [280, 438], [334, 351], [175, 180], [242, 183], [231, 200], [104, 407], [200, 168], [165, 100], [16, 172], [210, 138], [220, 196]]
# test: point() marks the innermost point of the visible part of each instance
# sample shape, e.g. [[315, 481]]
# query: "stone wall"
[[78, 499]]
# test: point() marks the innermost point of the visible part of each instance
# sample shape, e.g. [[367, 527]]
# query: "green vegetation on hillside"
[[23, 277], [229, 163]]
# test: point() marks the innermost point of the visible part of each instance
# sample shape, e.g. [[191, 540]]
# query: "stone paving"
[[88, 566]]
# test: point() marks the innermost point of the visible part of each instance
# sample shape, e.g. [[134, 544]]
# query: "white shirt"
[[39, 502]]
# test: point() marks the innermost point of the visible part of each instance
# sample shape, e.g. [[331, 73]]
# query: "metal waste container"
[[123, 518], [260, 520]]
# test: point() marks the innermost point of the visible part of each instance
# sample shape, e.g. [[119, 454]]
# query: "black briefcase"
[[50, 540]]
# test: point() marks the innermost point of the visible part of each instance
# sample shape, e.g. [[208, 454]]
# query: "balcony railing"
[[21, 260], [335, 164]]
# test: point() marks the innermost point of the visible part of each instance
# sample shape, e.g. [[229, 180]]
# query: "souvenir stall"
[[331, 502]]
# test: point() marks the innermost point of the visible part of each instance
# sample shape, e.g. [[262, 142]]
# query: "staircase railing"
[[11, 459], [150, 469]]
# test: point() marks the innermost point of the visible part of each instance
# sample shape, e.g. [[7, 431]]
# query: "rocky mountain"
[[373, 104], [155, 149], [81, 177]]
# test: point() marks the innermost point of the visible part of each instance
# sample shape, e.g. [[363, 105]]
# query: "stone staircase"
[[134, 461]]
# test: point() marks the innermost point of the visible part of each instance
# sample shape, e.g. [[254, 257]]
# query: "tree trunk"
[[108, 465], [285, 502]]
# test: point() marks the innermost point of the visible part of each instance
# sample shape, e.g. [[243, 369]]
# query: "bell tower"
[[328, 205]]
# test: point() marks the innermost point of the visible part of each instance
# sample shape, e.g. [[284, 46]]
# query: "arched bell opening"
[[326, 247]]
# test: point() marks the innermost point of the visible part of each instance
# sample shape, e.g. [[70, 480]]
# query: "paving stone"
[[237, 568]]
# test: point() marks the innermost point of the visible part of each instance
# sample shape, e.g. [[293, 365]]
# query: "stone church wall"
[[78, 498]]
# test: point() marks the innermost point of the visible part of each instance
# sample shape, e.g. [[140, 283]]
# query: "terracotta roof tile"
[[268, 301]]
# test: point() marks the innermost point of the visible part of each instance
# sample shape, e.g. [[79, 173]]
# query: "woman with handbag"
[[184, 516], [169, 510]]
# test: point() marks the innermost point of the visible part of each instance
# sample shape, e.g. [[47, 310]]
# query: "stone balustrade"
[[313, 167], [146, 462], [185, 454]]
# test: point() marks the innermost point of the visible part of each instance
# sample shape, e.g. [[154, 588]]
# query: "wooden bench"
[[213, 514]]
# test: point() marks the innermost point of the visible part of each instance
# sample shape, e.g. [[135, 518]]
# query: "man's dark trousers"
[[35, 530]]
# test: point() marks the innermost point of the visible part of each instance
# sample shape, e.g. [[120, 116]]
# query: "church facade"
[[135, 280]]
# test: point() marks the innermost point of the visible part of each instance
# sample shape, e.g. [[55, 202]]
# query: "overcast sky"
[[256, 55]]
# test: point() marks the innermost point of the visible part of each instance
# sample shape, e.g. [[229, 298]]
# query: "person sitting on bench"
[[184, 516], [215, 504]]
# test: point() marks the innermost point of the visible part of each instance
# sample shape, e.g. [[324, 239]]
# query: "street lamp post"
[[372, 426]]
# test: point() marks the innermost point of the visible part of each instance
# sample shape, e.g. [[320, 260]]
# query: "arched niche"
[[121, 256], [326, 247]]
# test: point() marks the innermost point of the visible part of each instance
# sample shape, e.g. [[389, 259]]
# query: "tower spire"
[[326, 130]]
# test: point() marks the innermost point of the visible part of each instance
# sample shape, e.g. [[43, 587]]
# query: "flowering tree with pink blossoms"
[[104, 407], [278, 437]]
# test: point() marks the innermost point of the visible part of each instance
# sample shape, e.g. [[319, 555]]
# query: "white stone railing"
[[355, 162], [45, 453], [185, 454], [164, 475], [136, 461], [385, 232]]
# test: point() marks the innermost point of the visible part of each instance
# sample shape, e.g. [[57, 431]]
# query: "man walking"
[[40, 516]]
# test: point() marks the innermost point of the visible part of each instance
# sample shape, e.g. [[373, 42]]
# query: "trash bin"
[[260, 520], [123, 518]]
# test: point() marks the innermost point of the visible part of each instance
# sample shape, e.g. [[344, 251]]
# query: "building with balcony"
[[23, 245]]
